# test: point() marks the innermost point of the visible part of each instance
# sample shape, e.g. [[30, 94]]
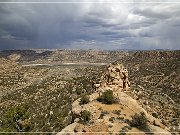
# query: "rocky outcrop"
[[115, 78], [117, 75], [117, 117], [158, 131], [93, 128], [68, 130]]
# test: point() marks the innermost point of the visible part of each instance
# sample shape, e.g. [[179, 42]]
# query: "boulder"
[[79, 128], [76, 108], [152, 120], [68, 130]]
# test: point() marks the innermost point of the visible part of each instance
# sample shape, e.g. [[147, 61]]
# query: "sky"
[[90, 24]]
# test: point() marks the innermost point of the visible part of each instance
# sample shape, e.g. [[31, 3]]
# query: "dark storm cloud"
[[90, 25]]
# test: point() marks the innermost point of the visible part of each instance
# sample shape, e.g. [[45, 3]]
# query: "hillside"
[[155, 80], [109, 110], [63, 56], [38, 98]]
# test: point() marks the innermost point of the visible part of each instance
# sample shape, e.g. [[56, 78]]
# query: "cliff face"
[[125, 115]]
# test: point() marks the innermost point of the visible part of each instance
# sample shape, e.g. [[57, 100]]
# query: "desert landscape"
[[90, 67], [62, 90]]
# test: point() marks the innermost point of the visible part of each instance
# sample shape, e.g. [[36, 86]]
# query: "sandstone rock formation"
[[116, 77], [117, 117]]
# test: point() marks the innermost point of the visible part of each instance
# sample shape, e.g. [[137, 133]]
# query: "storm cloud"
[[88, 24]]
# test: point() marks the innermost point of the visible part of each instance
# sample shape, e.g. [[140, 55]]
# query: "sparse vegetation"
[[49, 92], [118, 112], [53, 88], [111, 119], [155, 76], [103, 113]]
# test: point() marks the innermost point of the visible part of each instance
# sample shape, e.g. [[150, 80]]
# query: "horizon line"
[[73, 49]]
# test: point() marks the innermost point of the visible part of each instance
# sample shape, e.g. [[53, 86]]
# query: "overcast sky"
[[98, 24]]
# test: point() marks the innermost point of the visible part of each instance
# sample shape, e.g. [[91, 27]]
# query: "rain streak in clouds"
[[88, 24]]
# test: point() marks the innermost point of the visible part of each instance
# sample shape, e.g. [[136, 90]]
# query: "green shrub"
[[107, 97], [84, 99], [139, 120], [85, 116], [17, 119]]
